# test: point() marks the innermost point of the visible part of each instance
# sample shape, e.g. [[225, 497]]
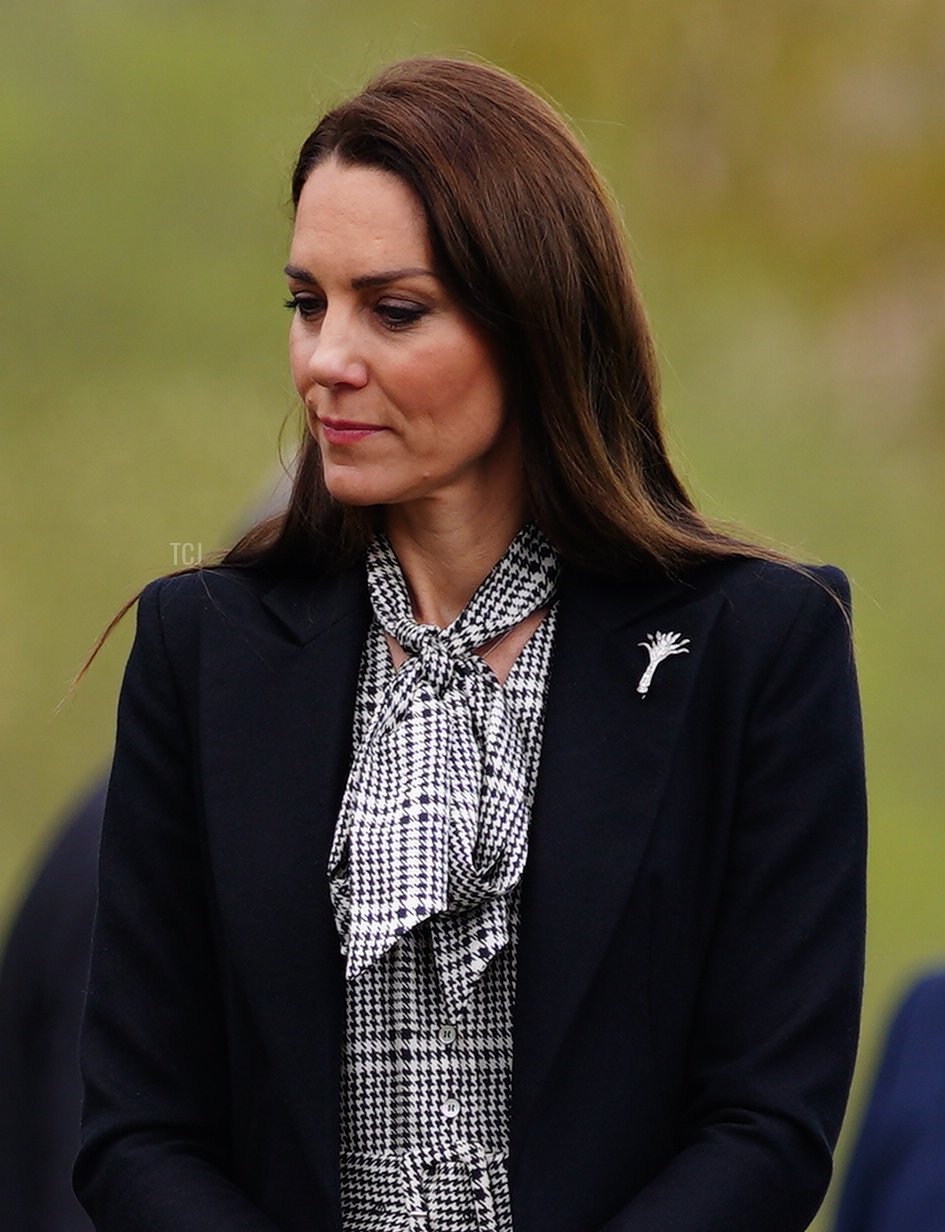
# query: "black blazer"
[[691, 940]]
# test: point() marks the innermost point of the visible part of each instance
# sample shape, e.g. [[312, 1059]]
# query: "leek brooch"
[[659, 646]]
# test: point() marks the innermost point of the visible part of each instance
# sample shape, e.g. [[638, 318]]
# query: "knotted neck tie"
[[434, 820]]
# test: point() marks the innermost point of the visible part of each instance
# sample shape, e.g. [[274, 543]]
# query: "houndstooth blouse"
[[426, 1073]]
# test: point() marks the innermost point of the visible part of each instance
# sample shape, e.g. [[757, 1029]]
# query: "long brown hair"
[[527, 239]]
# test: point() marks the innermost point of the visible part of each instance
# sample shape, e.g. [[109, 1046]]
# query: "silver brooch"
[[659, 646]]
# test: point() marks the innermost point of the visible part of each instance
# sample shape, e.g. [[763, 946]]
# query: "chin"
[[357, 499], [353, 485], [349, 485], [353, 490]]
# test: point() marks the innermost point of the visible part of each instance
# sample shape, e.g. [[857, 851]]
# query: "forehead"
[[358, 214]]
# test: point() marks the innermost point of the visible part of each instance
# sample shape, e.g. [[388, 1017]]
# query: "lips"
[[347, 431]]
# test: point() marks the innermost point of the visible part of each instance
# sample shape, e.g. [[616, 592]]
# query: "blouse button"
[[447, 1035], [450, 1108]]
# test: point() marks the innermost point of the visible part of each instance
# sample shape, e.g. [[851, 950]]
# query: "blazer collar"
[[613, 604], [307, 609], [278, 769]]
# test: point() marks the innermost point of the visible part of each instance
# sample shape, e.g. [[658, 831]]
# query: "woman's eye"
[[305, 305], [399, 315]]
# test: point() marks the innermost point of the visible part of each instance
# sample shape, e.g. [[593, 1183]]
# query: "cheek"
[[468, 379], [479, 393]]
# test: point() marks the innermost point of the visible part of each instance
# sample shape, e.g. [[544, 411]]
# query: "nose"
[[335, 357]]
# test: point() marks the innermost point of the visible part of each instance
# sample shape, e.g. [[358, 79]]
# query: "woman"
[[484, 842]]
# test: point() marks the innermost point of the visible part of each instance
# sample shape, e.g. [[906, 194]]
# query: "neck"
[[446, 553]]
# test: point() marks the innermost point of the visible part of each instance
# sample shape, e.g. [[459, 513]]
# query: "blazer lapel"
[[275, 816], [606, 752]]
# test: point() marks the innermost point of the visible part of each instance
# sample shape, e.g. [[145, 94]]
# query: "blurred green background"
[[781, 165]]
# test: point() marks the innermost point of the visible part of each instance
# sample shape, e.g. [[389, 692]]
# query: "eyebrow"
[[380, 279]]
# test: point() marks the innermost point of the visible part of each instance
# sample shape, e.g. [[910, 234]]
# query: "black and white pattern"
[[428, 1053], [434, 820]]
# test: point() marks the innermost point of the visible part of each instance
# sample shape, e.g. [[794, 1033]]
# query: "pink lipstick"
[[347, 431]]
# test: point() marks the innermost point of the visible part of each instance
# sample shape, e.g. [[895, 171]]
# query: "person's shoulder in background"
[[42, 993], [896, 1178]]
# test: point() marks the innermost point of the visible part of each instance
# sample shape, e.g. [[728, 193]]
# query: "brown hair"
[[527, 239]]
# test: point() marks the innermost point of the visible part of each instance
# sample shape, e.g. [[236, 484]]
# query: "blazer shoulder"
[[786, 586], [776, 622], [238, 601], [184, 596], [763, 601], [176, 612], [182, 602], [766, 600], [750, 594]]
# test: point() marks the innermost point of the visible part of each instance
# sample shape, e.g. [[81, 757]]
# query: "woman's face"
[[401, 389]]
